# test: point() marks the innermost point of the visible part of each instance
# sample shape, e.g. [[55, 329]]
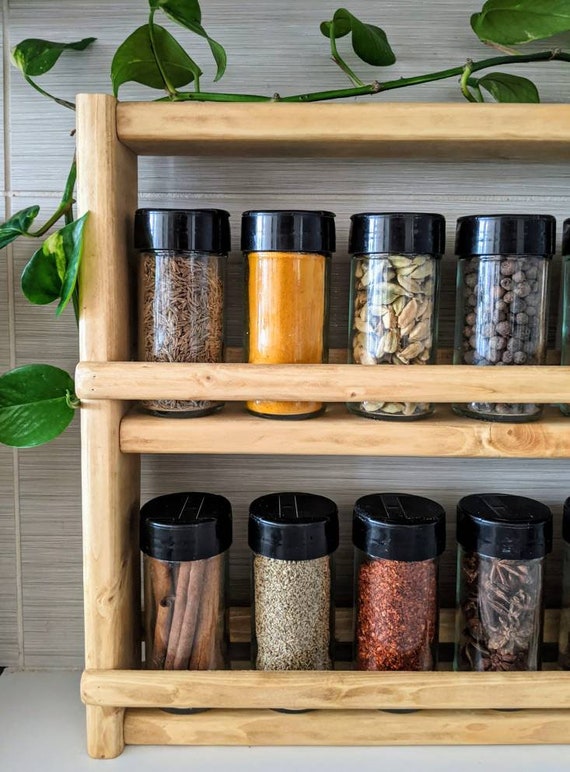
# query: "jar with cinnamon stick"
[[398, 539], [287, 265], [185, 539], [293, 537], [182, 266]]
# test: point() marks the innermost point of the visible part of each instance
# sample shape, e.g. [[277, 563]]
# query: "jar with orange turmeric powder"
[[287, 266]]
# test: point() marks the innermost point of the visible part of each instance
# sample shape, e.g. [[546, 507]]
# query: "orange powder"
[[287, 301]]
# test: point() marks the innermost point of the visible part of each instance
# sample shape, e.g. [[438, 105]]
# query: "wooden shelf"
[[338, 432], [380, 129]]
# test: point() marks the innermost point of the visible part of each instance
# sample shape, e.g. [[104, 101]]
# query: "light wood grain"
[[107, 189], [338, 432], [382, 130], [347, 727], [304, 690], [322, 383]]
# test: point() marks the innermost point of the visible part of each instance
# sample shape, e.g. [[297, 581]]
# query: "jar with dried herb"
[[394, 298], [502, 300], [503, 543], [182, 265], [565, 331], [564, 637], [287, 266], [398, 539], [185, 538], [293, 537]]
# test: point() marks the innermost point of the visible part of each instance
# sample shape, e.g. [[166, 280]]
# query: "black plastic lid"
[[188, 230], [398, 526], [566, 237], [293, 526], [502, 526], [186, 526], [506, 234], [288, 231], [402, 233], [566, 521]]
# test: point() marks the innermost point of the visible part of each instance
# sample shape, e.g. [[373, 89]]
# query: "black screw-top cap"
[[502, 526], [566, 238], [293, 526], [506, 234], [288, 231], [402, 233], [398, 526], [186, 526], [566, 520], [188, 230]]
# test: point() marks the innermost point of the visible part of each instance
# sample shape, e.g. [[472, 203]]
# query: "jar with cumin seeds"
[[398, 539], [565, 337], [502, 300], [185, 539], [564, 635], [503, 542], [394, 298], [182, 266], [293, 537], [287, 267]]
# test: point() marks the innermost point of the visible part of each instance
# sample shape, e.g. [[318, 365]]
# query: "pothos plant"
[[37, 401]]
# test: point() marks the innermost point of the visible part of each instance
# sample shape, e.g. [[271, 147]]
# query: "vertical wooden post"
[[107, 189]]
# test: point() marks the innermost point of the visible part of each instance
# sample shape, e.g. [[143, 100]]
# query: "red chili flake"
[[396, 615]]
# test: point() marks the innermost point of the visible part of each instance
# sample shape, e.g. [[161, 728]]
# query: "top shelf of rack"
[[382, 130]]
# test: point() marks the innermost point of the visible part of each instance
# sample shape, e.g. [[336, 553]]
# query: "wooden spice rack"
[[123, 703]]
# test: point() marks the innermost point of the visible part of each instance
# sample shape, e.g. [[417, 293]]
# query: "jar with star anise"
[[503, 543]]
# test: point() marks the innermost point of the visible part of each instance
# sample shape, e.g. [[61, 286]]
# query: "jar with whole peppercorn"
[[503, 542], [502, 299], [394, 298], [566, 301], [398, 539]]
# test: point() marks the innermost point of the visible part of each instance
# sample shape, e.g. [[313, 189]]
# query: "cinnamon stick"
[[161, 584], [204, 649], [193, 603], [180, 600]]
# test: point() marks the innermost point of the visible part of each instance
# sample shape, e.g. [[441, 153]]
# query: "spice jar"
[[185, 539], [394, 298], [183, 256], [287, 266], [398, 539], [564, 638], [566, 302], [293, 537], [502, 299], [503, 542]]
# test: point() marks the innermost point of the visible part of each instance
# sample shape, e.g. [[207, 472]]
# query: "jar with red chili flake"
[[398, 539]]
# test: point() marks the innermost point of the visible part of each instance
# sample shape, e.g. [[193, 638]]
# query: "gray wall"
[[271, 47]]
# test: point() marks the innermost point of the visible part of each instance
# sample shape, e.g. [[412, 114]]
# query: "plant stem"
[[40, 90], [168, 85], [337, 59], [65, 207], [464, 84]]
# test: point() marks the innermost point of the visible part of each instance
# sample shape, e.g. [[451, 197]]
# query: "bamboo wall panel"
[[40, 153]]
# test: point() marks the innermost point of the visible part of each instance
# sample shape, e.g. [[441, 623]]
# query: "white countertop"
[[42, 728]]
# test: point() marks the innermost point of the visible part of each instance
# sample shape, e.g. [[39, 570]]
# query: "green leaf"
[[509, 88], [514, 22], [369, 42], [134, 60], [52, 271], [34, 405], [187, 13], [17, 225], [34, 57]]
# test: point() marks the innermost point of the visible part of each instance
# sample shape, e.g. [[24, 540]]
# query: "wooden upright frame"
[[123, 703]]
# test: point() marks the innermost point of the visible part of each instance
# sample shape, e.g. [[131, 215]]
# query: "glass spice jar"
[[185, 539], [564, 637], [182, 266], [398, 539], [293, 537], [502, 300], [394, 298], [565, 337], [287, 267], [503, 542]]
